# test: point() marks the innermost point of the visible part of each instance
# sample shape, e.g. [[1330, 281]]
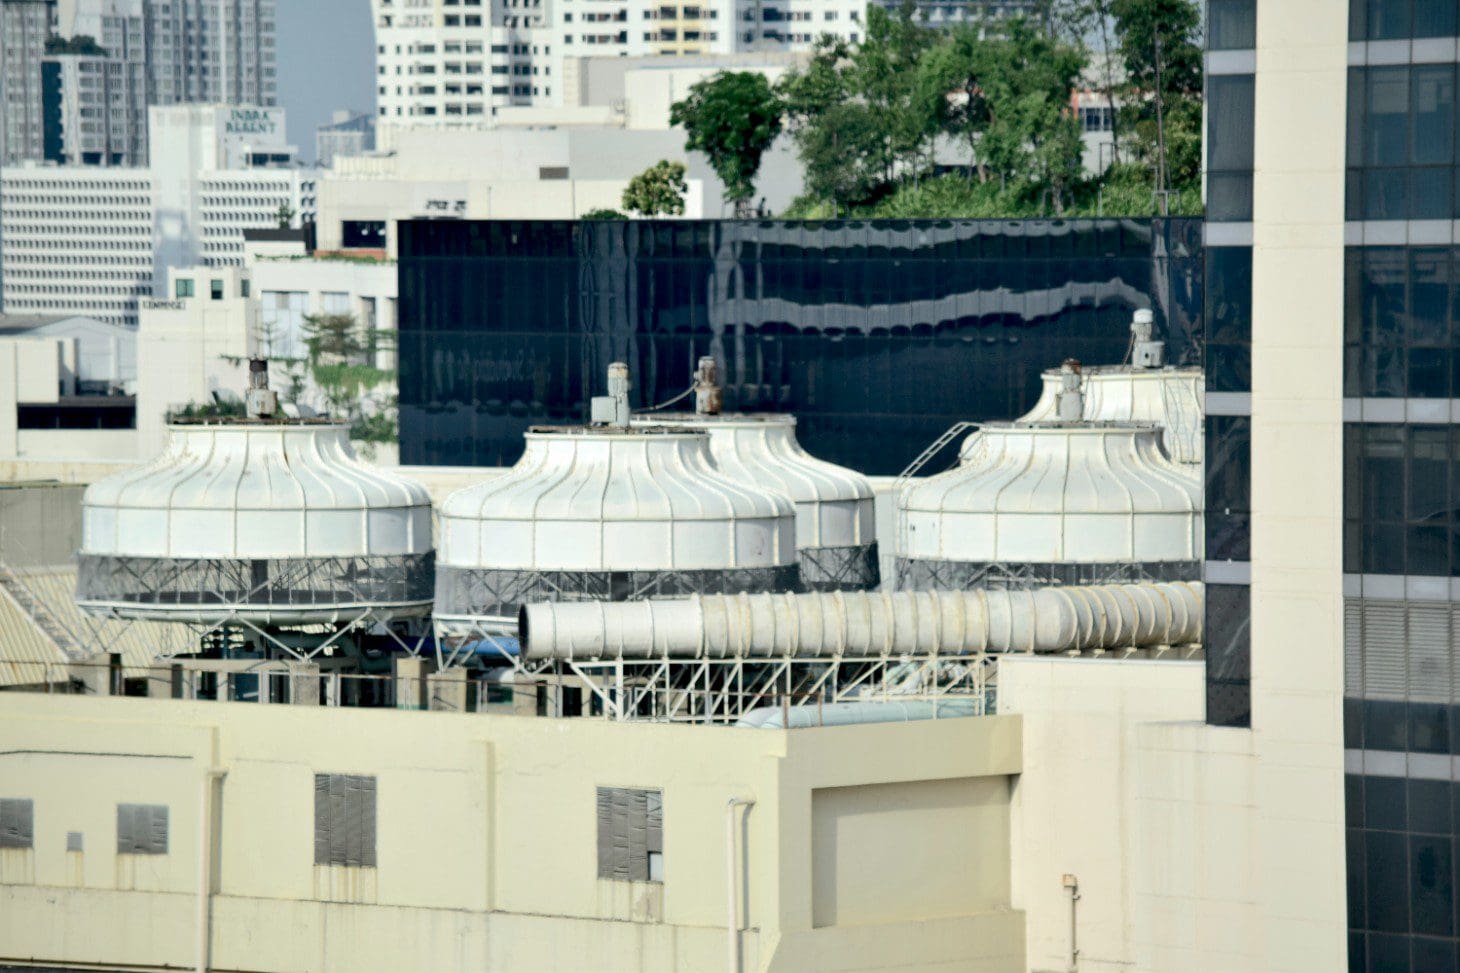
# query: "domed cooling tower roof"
[[1052, 502], [270, 520], [606, 513], [835, 517]]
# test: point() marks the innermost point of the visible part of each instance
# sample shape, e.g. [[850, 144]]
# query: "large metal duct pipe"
[[863, 624]]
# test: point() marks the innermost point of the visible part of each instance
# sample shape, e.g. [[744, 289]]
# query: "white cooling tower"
[[1167, 397], [610, 513], [273, 521], [835, 521], [1052, 503]]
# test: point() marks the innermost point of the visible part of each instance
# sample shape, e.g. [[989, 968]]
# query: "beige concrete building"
[[473, 843]]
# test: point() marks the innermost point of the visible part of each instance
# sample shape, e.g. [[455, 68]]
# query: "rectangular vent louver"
[[344, 820], [1399, 650], [17, 822], [141, 829]]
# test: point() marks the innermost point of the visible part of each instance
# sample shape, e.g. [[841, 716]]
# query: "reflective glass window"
[[1231, 25], [506, 324]]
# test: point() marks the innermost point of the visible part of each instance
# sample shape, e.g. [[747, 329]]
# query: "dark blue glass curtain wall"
[[877, 335]]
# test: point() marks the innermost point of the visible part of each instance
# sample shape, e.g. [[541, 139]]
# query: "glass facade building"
[[878, 335], [1401, 460]]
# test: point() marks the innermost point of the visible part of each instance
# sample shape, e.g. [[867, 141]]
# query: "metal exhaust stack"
[[709, 398], [261, 402], [613, 409], [1146, 352]]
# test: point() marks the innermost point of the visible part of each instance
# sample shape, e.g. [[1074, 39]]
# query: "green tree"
[[733, 118], [860, 118], [603, 214], [955, 70], [1160, 45], [1012, 106], [657, 191], [1083, 23], [284, 216], [80, 44], [340, 362]]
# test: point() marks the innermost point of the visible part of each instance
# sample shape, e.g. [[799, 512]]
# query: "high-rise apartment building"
[[25, 26], [445, 62], [942, 13], [195, 51], [91, 115], [449, 61], [146, 53]]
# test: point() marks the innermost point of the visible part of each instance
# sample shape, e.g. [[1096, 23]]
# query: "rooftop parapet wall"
[[486, 834]]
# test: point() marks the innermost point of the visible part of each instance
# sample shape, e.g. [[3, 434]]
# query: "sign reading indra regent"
[[252, 121]]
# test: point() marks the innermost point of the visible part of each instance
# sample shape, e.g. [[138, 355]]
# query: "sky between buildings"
[[326, 59]]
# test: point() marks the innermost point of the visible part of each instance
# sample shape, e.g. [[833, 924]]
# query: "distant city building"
[[67, 387], [195, 51], [348, 134], [91, 107], [25, 25], [193, 340], [439, 62], [442, 64], [115, 59], [78, 240], [940, 13]]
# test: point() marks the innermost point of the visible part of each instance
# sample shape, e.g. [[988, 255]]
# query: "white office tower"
[[606, 512], [441, 63], [1044, 503], [836, 531], [99, 241], [263, 521]]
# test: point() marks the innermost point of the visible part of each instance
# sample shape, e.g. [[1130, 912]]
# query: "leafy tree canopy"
[[733, 118], [657, 191]]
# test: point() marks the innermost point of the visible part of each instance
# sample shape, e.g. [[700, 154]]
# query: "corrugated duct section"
[[867, 623]]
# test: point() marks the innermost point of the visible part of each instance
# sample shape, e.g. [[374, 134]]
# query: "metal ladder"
[[43, 618], [926, 456], [921, 460]]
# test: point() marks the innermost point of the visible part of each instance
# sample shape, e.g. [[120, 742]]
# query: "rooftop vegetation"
[[870, 119]]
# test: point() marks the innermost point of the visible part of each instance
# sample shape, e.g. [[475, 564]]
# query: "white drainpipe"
[[847, 623], [211, 775], [732, 922]]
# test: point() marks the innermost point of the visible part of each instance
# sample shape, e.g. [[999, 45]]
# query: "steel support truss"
[[287, 585], [724, 691], [840, 568], [273, 638], [494, 592], [915, 574]]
